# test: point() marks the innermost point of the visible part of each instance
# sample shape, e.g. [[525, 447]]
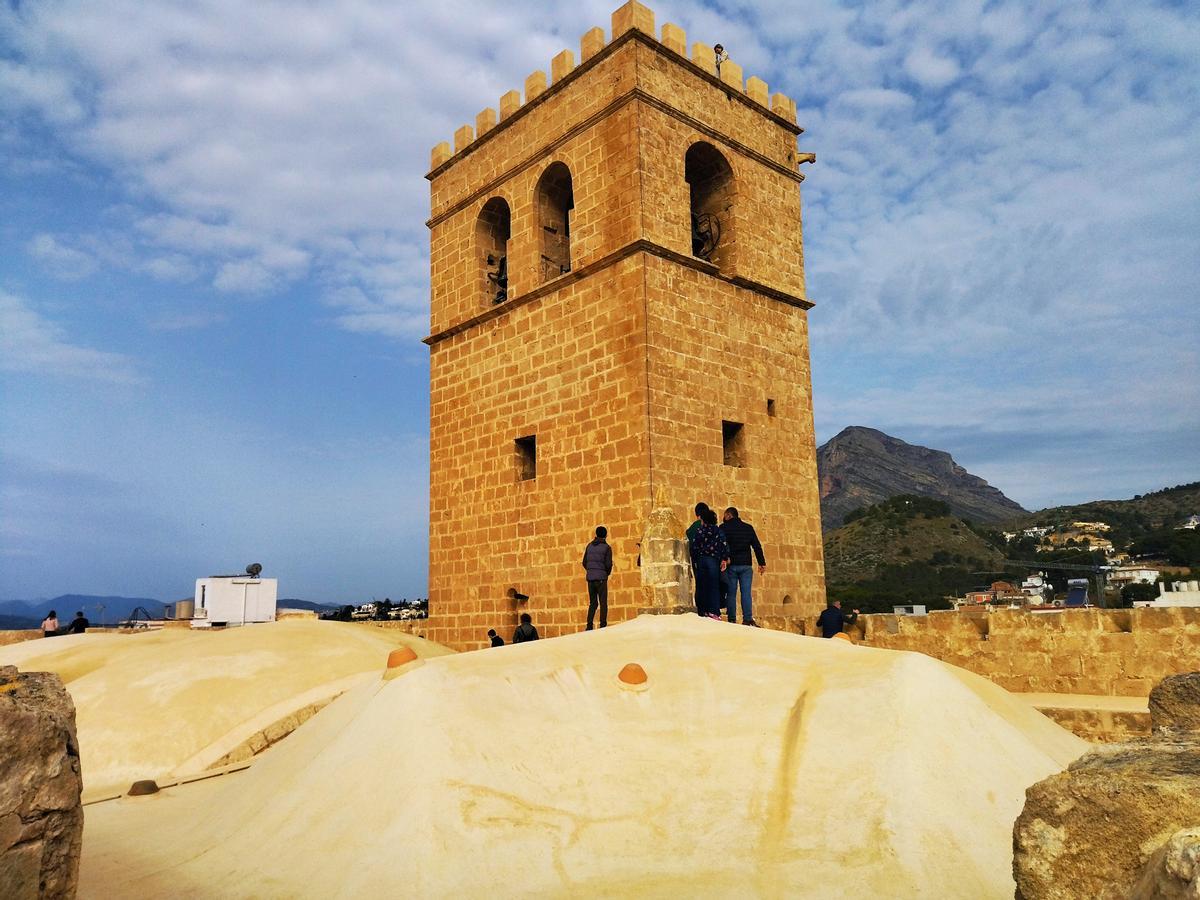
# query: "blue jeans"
[[743, 576]]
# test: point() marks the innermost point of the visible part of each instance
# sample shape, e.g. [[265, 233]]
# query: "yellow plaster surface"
[[146, 704], [749, 763]]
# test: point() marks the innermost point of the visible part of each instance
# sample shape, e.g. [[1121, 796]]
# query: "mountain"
[[13, 612], [861, 466]]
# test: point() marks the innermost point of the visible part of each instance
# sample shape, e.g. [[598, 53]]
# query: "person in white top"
[[50, 625]]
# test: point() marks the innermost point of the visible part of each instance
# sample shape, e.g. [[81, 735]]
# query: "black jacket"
[[741, 539], [832, 620], [525, 632], [597, 560]]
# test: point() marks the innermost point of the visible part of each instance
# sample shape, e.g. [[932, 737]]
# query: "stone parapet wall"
[[1106, 726], [1119, 652], [416, 627], [16, 637]]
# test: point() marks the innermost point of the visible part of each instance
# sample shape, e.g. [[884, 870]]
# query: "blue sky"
[[213, 259]]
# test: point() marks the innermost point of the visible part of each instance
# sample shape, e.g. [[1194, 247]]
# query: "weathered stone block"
[[485, 121], [1175, 705], [1089, 831], [510, 102], [1173, 872], [535, 85], [591, 43], [440, 154], [674, 38], [462, 137], [41, 819], [630, 16], [561, 66]]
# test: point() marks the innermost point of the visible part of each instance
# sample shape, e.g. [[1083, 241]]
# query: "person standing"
[[833, 620], [691, 539], [496, 640], [79, 624], [525, 631], [597, 564], [50, 625], [739, 576], [710, 556]]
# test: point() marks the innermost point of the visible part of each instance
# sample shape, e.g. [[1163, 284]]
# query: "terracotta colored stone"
[[400, 656], [632, 673]]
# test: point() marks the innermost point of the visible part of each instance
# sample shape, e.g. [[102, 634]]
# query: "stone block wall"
[[723, 353], [1120, 652]]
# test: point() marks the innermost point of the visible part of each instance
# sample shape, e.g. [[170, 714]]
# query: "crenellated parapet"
[[631, 17]]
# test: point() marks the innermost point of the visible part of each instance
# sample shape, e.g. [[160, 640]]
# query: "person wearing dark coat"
[[496, 640], [691, 533], [710, 556], [79, 624], [597, 563], [739, 575], [525, 631], [832, 621]]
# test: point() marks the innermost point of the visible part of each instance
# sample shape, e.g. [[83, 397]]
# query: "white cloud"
[[31, 344], [59, 259], [931, 69], [185, 321]]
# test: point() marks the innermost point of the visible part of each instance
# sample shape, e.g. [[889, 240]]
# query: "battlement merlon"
[[632, 21]]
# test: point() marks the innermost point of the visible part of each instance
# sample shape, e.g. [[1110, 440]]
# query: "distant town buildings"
[[1087, 535], [1132, 575], [1177, 593], [385, 609]]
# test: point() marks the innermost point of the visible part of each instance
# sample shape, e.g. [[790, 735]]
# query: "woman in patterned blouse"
[[710, 554]]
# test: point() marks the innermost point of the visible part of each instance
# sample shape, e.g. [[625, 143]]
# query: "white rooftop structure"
[[234, 600]]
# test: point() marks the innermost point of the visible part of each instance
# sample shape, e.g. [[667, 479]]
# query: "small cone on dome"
[[633, 674]]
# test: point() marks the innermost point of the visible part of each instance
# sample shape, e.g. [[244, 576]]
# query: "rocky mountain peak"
[[862, 466]]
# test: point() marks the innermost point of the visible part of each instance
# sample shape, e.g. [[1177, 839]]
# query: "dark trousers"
[[708, 592], [598, 595]]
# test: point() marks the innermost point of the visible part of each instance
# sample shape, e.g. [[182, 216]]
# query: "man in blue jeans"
[[741, 538]]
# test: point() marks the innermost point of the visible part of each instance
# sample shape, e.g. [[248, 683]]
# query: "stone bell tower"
[[618, 308]]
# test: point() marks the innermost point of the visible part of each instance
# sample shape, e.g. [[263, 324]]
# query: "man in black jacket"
[[741, 538], [597, 563], [525, 631], [833, 620]]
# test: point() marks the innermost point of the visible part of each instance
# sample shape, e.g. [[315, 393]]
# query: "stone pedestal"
[[666, 564], [41, 819]]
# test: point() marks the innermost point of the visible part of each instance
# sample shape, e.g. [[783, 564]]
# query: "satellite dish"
[[254, 569]]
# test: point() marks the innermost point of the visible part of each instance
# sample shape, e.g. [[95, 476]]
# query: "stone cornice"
[[640, 246]]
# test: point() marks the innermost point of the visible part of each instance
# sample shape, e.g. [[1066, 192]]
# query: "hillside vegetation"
[[1131, 518], [907, 549]]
